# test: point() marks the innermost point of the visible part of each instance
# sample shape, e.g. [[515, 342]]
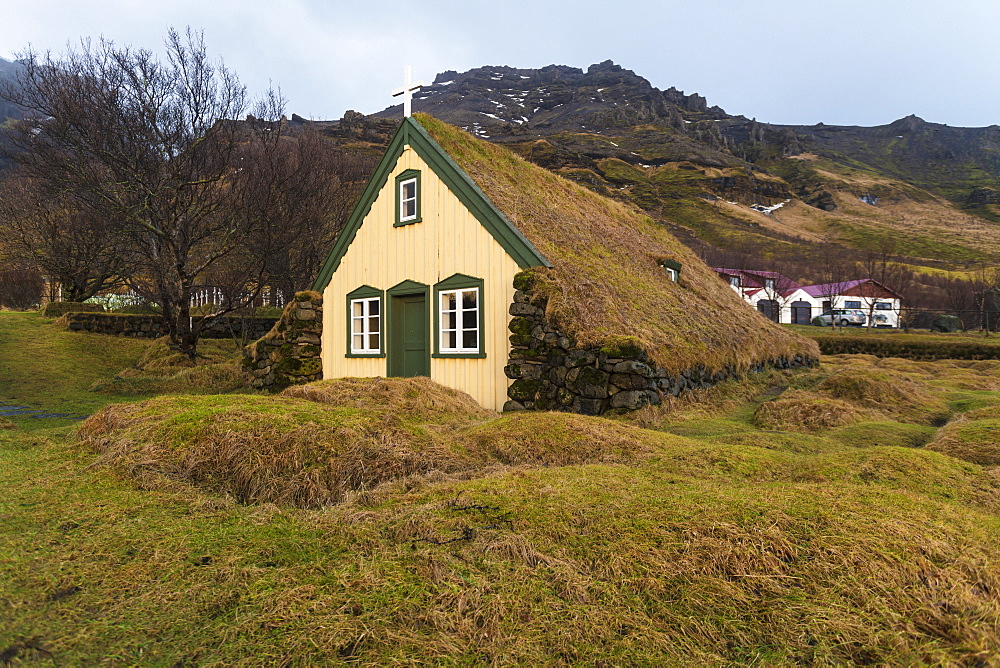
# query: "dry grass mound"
[[416, 397], [606, 284], [890, 393], [882, 433], [315, 444], [559, 439], [803, 411], [264, 449], [974, 437], [161, 369]]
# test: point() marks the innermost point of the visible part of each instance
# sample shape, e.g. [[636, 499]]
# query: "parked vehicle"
[[844, 317]]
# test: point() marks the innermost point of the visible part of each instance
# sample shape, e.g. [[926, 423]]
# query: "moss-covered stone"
[[524, 280], [523, 390], [624, 347]]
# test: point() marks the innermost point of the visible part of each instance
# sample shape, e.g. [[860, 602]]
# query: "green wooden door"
[[409, 352]]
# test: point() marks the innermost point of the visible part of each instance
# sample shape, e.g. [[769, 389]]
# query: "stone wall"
[[56, 309], [290, 353], [152, 327], [550, 373]]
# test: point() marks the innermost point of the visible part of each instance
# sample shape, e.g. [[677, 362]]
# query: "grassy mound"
[[559, 439], [887, 392], [160, 369], [897, 434], [418, 398], [263, 449], [973, 437], [317, 443], [803, 411]]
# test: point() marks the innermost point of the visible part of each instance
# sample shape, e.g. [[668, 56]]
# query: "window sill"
[[460, 356], [404, 223], [365, 355]]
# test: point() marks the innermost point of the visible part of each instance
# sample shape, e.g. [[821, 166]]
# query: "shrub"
[[946, 323], [20, 288]]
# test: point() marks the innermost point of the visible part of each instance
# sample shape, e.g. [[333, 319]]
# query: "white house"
[[781, 299]]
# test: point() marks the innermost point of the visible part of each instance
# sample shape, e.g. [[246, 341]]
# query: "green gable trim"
[[456, 282], [406, 176], [412, 133], [671, 264], [366, 292], [408, 287]]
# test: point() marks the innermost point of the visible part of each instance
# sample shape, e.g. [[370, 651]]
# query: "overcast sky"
[[845, 62]]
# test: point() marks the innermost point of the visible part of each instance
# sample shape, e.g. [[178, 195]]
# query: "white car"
[[844, 317]]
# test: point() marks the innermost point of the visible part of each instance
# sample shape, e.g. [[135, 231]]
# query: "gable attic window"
[[458, 317], [364, 322], [734, 281], [769, 283], [408, 198], [672, 269]]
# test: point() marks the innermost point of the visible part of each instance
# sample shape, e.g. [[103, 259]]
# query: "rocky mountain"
[[928, 191]]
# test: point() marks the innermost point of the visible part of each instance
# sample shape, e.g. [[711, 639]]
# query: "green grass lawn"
[[51, 369], [688, 536], [890, 334]]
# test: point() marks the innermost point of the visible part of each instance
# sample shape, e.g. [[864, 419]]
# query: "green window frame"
[[453, 322], [365, 296], [404, 199], [673, 271]]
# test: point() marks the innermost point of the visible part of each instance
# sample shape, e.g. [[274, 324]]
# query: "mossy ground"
[[681, 535]]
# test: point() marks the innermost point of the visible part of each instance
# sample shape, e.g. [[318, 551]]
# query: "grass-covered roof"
[[606, 284]]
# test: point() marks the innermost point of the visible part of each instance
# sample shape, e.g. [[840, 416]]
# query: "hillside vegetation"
[[385, 521], [785, 195]]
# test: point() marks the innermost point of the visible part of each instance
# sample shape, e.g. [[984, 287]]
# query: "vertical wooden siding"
[[449, 240]]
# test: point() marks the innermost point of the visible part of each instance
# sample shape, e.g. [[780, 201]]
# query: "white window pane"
[[470, 319], [373, 343], [358, 341], [470, 339], [357, 308], [450, 340], [373, 324], [409, 189], [448, 301], [469, 299], [450, 320], [409, 209], [373, 306], [357, 325]]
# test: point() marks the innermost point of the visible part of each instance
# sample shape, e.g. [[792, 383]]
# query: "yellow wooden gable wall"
[[448, 240]]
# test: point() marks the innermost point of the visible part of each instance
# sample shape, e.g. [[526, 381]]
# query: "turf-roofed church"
[[423, 273], [465, 263]]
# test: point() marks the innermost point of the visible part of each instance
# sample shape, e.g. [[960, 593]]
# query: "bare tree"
[[154, 148], [302, 191], [884, 268], [834, 268], [20, 285], [75, 248], [778, 287]]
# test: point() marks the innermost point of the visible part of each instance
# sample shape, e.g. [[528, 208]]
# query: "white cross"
[[407, 91]]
